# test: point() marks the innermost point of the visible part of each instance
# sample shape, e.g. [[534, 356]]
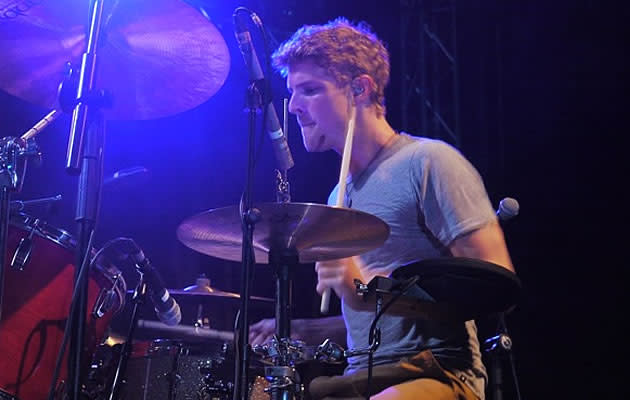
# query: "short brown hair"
[[345, 50]]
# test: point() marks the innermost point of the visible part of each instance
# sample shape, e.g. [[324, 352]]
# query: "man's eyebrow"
[[299, 85]]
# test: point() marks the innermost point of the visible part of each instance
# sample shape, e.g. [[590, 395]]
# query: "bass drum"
[[39, 279]]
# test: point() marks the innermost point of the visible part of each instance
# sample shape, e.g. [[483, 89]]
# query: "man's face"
[[321, 107]]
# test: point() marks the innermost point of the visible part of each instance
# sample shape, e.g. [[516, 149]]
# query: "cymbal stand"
[[284, 381], [138, 299], [14, 154], [84, 157]]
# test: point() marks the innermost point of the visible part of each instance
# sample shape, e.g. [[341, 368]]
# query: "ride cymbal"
[[157, 58], [315, 231]]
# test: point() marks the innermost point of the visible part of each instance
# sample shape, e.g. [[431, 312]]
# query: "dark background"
[[557, 68]]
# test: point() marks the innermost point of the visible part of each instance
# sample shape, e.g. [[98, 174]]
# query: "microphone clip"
[[258, 95]]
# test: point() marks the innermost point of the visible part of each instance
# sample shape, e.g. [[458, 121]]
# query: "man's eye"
[[310, 91]]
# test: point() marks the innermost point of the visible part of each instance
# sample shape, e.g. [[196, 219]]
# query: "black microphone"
[[508, 209], [166, 308], [278, 138]]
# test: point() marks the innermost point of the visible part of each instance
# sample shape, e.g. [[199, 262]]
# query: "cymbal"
[[317, 232], [214, 295], [156, 58], [450, 289]]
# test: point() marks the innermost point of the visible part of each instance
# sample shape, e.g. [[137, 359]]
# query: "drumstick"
[[44, 122], [343, 175]]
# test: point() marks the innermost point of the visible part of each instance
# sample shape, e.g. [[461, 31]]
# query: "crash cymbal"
[[156, 58], [317, 232]]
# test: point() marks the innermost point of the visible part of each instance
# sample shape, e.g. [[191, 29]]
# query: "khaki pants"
[[419, 377]]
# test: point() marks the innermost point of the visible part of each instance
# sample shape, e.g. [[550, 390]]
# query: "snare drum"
[[39, 279]]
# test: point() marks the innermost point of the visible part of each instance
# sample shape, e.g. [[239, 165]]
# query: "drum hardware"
[[330, 352], [283, 380], [37, 305], [499, 348], [20, 205], [14, 156], [106, 299], [84, 158], [24, 249], [283, 351], [139, 297], [285, 235], [69, 30]]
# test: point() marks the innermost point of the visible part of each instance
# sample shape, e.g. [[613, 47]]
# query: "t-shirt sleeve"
[[451, 196], [332, 197]]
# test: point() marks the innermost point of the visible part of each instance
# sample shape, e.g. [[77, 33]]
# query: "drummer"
[[431, 197]]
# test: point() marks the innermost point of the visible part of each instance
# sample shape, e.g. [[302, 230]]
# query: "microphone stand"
[[85, 157], [498, 347], [249, 217], [139, 298]]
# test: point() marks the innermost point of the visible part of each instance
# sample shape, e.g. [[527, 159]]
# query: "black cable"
[[514, 376], [406, 285]]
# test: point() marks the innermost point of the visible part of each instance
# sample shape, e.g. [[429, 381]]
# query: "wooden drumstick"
[[44, 122], [343, 175]]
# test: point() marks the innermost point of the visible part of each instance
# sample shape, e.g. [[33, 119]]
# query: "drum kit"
[[156, 59]]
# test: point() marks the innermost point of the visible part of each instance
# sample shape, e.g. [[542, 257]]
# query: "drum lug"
[[106, 300], [24, 249]]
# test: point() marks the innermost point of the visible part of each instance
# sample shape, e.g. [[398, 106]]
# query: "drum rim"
[[65, 239], [44, 229]]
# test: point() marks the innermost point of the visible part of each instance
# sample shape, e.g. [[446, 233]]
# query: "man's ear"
[[362, 86]]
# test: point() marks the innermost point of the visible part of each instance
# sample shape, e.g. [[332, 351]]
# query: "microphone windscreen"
[[508, 208]]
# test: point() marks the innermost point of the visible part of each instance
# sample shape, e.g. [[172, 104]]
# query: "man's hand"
[[339, 275], [262, 331], [311, 331]]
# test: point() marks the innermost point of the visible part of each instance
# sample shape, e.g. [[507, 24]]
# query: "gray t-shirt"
[[428, 194]]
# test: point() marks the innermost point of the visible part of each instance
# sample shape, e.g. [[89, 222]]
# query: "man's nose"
[[294, 107]]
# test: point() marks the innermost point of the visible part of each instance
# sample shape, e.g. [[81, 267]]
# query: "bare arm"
[[486, 243]]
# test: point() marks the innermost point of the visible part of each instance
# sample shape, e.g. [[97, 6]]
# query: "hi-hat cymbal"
[[316, 232], [157, 58]]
